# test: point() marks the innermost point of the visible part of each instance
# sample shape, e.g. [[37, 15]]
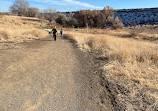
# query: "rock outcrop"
[[138, 16]]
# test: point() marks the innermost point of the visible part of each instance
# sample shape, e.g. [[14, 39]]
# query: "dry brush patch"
[[131, 63], [17, 29]]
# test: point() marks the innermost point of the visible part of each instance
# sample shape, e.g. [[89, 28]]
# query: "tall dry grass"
[[130, 58], [141, 33], [17, 29]]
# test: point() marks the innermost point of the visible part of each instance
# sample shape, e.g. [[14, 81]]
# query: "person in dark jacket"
[[54, 30], [61, 32]]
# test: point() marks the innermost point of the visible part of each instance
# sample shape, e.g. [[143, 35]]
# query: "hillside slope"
[[18, 29]]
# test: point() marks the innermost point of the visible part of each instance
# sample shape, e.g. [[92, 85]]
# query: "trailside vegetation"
[[87, 18]]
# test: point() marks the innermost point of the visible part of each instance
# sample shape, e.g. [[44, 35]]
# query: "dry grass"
[[141, 33], [130, 58], [17, 29]]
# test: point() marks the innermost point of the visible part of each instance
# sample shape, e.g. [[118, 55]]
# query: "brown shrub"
[[95, 18]]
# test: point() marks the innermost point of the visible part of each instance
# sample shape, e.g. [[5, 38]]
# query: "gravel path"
[[44, 75]]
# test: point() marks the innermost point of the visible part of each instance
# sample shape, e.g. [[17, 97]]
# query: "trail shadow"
[[48, 38], [45, 40]]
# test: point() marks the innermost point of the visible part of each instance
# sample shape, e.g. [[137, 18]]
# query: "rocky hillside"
[[138, 16]]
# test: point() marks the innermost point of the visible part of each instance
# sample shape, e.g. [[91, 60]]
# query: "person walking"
[[54, 30], [61, 32]]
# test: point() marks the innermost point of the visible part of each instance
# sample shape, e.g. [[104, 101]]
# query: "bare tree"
[[66, 19], [41, 17], [50, 14], [19, 7], [32, 12]]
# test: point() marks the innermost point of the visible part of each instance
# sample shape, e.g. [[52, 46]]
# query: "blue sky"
[[73, 5]]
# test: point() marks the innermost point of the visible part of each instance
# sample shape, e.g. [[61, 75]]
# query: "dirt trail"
[[44, 75]]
